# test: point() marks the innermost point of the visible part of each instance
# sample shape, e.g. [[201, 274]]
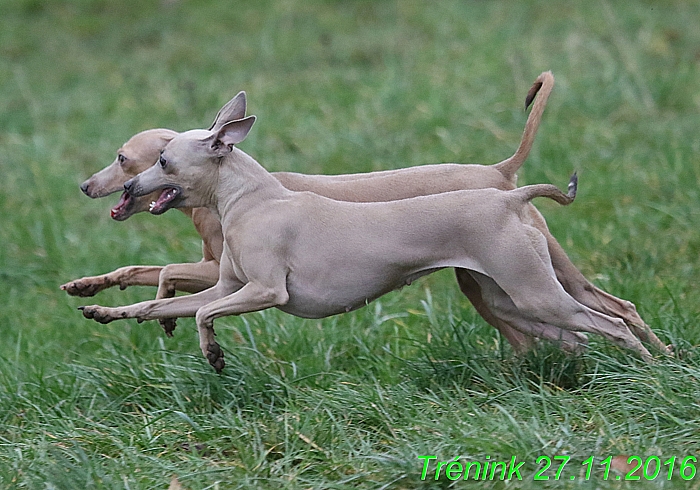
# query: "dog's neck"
[[187, 211], [242, 178]]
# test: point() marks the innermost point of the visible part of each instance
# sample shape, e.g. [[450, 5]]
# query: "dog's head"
[[186, 174], [139, 154], [135, 156]]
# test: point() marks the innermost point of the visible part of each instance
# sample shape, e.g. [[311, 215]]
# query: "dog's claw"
[[215, 356]]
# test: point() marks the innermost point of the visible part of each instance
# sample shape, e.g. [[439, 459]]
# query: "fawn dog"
[[142, 150], [314, 257]]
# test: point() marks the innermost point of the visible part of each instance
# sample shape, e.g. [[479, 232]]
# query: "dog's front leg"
[[182, 306], [251, 297], [191, 278], [122, 277]]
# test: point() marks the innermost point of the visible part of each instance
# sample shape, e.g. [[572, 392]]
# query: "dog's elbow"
[[268, 297], [278, 297]]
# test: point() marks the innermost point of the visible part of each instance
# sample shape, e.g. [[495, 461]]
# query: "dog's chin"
[[124, 208], [168, 199]]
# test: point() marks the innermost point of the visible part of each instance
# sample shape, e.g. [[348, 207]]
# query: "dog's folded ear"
[[233, 109], [231, 133]]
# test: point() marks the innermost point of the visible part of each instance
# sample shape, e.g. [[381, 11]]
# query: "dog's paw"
[[98, 313], [168, 325], [215, 356], [84, 287]]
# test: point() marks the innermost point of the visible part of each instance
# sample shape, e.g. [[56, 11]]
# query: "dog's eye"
[[162, 161], [121, 158]]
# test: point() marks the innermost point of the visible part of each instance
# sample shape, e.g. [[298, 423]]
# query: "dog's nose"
[[85, 187], [129, 185]]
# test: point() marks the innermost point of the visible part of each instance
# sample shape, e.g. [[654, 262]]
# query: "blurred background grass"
[[340, 86]]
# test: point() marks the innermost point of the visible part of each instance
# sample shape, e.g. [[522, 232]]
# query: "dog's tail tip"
[[551, 191], [573, 186], [544, 77], [532, 93], [539, 93]]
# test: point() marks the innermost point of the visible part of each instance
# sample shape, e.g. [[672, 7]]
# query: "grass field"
[[345, 86]]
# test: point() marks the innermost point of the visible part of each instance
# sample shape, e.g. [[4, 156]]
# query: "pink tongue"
[[121, 205], [165, 197]]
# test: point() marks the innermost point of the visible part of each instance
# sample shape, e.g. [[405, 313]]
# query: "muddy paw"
[[83, 287], [168, 325], [215, 356]]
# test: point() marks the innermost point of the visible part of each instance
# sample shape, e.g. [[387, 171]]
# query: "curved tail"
[[529, 192], [541, 88]]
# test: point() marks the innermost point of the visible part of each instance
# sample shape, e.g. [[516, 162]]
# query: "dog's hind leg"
[[576, 284], [521, 342], [537, 295], [505, 310]]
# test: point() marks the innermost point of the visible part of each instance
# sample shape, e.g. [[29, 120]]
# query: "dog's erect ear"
[[233, 110], [230, 134]]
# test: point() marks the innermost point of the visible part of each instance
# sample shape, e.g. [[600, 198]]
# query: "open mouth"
[[164, 201], [121, 211]]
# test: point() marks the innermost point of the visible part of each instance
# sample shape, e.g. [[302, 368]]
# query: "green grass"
[[350, 401]]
